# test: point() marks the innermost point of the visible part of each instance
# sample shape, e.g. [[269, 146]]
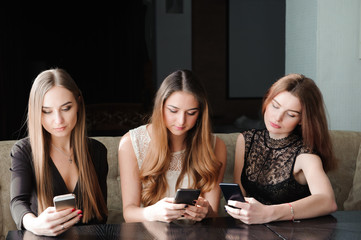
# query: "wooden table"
[[339, 225]]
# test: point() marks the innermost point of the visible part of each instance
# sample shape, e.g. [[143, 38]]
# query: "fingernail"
[[194, 202], [185, 206], [80, 212], [80, 216], [73, 210], [225, 209]]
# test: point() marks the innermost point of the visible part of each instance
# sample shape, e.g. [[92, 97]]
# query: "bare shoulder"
[[125, 142], [240, 140], [220, 150], [306, 161]]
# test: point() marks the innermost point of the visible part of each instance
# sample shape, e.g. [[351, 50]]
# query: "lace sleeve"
[[140, 141]]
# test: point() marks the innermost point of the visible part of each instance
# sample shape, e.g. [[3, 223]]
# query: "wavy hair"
[[314, 126], [200, 162], [93, 203]]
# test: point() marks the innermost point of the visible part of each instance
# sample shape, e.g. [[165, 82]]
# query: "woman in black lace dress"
[[282, 169]]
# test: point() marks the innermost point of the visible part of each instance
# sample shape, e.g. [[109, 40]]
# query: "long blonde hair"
[[314, 126], [93, 203], [200, 162]]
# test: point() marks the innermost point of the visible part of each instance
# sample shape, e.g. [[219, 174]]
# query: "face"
[[282, 115], [180, 112], [59, 112]]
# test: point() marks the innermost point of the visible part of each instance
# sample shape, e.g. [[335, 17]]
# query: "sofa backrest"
[[6, 221], [346, 145]]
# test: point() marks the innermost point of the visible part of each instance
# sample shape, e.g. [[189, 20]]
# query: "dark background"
[[103, 48]]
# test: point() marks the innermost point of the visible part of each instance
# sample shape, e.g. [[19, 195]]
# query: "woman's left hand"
[[198, 211], [249, 212]]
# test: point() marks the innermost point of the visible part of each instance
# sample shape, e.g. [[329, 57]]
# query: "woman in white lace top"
[[175, 150]]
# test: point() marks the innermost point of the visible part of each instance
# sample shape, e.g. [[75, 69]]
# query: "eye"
[[46, 112], [172, 110], [291, 115], [192, 113], [274, 105], [65, 109]]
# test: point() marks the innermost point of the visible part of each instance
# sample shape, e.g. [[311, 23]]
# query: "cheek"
[[45, 123], [193, 120], [293, 123]]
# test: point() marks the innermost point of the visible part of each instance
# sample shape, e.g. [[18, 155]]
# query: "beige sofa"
[[346, 183]]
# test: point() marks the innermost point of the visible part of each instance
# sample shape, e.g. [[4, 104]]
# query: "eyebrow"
[[67, 103], [186, 110], [288, 109]]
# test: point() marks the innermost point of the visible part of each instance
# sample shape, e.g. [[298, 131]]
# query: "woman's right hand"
[[165, 210], [51, 222]]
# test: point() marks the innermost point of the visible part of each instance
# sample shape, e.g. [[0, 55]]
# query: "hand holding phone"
[[64, 201], [186, 196], [232, 191]]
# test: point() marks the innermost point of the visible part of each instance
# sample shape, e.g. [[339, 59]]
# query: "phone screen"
[[186, 196], [232, 191]]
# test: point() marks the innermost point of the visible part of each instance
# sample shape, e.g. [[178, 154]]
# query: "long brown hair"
[[314, 126], [200, 162], [93, 203]]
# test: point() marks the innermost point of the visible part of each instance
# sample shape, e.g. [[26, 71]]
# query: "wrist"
[[147, 213], [292, 211], [28, 221]]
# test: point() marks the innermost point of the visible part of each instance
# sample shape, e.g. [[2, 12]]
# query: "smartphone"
[[232, 191], [186, 195], [64, 201]]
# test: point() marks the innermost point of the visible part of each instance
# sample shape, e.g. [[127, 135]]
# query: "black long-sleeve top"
[[23, 193]]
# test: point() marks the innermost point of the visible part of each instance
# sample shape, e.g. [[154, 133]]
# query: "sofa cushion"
[[230, 140], [353, 201], [113, 180], [346, 145], [6, 221]]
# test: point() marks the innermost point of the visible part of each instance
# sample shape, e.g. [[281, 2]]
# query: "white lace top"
[[140, 141]]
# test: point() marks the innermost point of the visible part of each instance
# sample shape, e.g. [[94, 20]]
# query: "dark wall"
[[101, 46], [210, 62]]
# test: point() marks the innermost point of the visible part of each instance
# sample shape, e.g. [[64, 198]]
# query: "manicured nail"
[[73, 210], [185, 206], [80, 216], [225, 209], [80, 212], [194, 202]]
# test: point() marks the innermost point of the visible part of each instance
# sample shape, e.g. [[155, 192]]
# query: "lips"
[[274, 125], [179, 128], [60, 129]]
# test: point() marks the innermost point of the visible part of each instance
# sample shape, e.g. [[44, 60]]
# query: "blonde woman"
[[57, 158], [175, 150]]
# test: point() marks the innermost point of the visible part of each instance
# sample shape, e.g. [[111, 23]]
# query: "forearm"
[[137, 214], [309, 207]]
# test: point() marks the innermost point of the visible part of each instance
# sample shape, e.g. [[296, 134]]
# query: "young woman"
[[175, 150], [57, 158], [282, 168]]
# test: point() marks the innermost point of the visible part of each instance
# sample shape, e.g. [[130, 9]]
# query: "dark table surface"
[[339, 225]]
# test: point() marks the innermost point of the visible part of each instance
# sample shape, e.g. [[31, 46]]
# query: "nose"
[[279, 116], [181, 118], [58, 117]]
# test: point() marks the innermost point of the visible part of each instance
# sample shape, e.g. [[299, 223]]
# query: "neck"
[[177, 143], [61, 143]]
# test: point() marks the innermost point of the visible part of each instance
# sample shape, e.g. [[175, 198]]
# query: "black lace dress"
[[268, 167]]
